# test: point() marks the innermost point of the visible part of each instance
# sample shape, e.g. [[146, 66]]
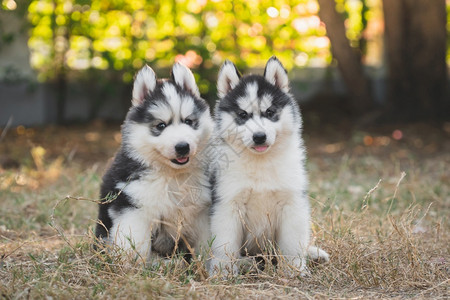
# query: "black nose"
[[259, 138], [182, 148]]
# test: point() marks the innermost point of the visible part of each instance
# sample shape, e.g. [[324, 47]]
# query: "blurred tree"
[[349, 61], [123, 35], [103, 42], [75, 38], [416, 38]]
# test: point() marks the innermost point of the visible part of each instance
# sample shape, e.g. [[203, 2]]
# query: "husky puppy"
[[160, 193], [260, 197]]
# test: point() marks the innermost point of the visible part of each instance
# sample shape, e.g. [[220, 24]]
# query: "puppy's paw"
[[318, 255], [295, 267]]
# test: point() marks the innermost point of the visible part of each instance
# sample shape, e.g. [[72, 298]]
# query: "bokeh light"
[[121, 36]]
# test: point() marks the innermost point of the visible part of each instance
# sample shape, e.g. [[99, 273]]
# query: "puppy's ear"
[[228, 78], [276, 74], [184, 78], [144, 83]]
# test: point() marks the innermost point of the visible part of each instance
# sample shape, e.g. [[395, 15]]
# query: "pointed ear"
[[144, 83], [184, 78], [276, 74], [228, 78]]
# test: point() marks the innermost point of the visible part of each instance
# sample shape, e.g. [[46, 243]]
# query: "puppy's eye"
[[270, 113], [243, 115], [188, 122], [161, 126]]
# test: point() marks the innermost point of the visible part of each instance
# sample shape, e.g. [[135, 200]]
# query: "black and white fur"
[[162, 195], [260, 199]]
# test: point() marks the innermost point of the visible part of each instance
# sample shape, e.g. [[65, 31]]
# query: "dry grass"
[[388, 234]]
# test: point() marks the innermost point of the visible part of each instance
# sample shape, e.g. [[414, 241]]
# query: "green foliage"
[[78, 36], [122, 36]]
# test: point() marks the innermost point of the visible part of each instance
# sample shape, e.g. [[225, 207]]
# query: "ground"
[[380, 202]]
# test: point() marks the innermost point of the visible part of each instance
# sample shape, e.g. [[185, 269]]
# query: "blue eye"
[[188, 122], [161, 126]]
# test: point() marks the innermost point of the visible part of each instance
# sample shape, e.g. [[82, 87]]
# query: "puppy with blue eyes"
[[156, 192], [260, 198]]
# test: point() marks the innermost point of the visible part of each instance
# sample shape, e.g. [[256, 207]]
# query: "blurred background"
[[72, 61], [371, 77]]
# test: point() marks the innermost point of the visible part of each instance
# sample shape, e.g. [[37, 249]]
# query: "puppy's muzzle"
[[182, 149], [259, 138]]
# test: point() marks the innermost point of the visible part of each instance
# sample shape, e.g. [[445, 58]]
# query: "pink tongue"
[[260, 148], [182, 160]]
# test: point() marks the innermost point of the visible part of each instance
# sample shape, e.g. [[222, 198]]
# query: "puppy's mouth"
[[260, 148], [180, 160]]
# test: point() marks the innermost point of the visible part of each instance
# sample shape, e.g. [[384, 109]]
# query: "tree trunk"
[[416, 48], [59, 54], [349, 62]]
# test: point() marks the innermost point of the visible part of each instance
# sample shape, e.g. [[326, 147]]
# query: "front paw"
[[295, 267], [223, 268], [318, 255]]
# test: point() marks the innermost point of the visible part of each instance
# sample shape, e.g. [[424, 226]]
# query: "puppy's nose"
[[182, 148], [259, 138]]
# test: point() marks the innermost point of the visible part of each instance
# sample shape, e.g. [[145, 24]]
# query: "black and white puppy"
[[161, 196], [260, 198]]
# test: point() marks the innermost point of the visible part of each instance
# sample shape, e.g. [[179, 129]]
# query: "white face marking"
[[241, 136], [179, 107], [266, 102], [187, 107], [174, 100], [150, 148], [161, 111], [249, 102], [258, 124]]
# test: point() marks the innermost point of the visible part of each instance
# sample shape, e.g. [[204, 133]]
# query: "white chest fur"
[[179, 203], [169, 198], [259, 189]]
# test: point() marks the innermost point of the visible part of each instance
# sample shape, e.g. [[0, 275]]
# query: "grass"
[[387, 232]]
